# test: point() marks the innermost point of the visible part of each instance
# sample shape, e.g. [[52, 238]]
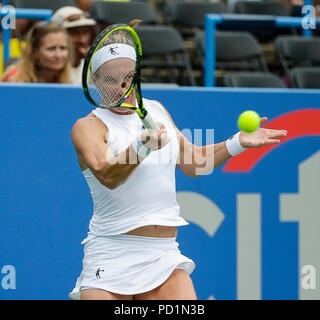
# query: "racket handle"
[[149, 123]]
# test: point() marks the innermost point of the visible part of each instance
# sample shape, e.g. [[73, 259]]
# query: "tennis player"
[[131, 251]]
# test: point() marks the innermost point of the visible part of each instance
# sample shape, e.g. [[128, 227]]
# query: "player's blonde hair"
[[121, 36]]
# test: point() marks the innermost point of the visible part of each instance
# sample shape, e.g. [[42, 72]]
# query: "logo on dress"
[[98, 273]]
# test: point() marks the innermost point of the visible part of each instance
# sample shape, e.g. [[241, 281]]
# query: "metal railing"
[[13, 13], [265, 21]]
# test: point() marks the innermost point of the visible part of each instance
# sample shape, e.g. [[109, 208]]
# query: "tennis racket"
[[112, 69]]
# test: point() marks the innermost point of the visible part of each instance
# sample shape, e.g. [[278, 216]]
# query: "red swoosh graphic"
[[298, 123]]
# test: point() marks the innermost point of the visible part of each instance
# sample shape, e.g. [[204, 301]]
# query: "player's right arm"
[[90, 137]]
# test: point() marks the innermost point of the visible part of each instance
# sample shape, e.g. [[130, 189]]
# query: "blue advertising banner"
[[254, 222]]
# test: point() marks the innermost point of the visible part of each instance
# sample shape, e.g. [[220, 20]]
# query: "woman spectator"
[[47, 56]]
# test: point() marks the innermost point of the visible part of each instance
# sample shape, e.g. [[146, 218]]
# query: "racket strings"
[[112, 69]]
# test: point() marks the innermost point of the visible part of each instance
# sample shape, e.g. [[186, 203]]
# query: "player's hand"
[[261, 137], [155, 139]]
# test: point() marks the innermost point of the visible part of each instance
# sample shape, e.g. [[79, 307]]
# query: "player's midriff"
[[154, 231]]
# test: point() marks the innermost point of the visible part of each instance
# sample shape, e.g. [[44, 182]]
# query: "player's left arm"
[[195, 161], [198, 160]]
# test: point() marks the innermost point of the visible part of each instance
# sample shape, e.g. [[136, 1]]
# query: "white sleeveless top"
[[148, 196]]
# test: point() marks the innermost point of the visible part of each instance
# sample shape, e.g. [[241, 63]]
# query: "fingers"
[[164, 139], [263, 120], [262, 137], [272, 141], [273, 132], [160, 125], [277, 133], [273, 136], [155, 139]]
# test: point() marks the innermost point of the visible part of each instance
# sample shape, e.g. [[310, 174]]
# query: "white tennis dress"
[[127, 264]]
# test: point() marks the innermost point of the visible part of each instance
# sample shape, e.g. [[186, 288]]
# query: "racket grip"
[[149, 123]]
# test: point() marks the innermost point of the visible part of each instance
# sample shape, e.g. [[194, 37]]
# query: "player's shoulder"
[[155, 104], [88, 123]]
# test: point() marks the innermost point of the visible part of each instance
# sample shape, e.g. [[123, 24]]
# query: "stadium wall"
[[254, 225]]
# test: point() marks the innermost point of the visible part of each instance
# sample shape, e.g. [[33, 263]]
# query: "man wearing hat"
[[76, 22]]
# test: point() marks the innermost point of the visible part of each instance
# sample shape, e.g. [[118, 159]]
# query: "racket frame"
[[136, 83]]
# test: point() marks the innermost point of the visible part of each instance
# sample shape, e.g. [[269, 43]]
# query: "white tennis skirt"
[[127, 264]]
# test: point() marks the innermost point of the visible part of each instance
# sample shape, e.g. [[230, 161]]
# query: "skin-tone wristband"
[[233, 145], [140, 149]]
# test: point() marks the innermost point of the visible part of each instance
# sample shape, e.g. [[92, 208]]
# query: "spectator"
[[47, 56], [80, 29]]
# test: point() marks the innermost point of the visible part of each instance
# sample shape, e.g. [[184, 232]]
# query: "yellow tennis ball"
[[249, 121]]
